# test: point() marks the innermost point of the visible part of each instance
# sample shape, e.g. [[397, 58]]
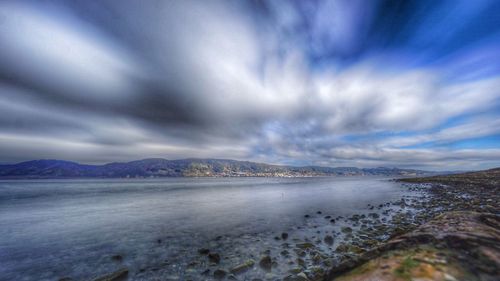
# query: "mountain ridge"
[[189, 167]]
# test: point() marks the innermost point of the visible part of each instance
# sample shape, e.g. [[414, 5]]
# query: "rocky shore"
[[461, 243], [446, 228]]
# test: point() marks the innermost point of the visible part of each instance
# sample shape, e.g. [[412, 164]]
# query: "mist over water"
[[50, 229]]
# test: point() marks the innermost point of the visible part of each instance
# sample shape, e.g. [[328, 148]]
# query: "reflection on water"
[[55, 228]]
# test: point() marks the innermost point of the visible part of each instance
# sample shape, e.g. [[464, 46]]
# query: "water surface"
[[71, 228]]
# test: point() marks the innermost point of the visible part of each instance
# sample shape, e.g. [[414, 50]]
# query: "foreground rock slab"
[[453, 246]]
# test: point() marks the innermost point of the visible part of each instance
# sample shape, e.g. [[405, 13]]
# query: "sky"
[[410, 84]]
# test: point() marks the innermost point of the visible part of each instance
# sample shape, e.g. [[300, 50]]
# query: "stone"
[[346, 229], [266, 262], [304, 245], [203, 251], [342, 248], [328, 239], [219, 274], [214, 258], [243, 267]]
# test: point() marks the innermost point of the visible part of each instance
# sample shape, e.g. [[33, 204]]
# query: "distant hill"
[[157, 167]]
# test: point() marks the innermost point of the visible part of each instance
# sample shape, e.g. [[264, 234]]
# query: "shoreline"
[[321, 243], [460, 241]]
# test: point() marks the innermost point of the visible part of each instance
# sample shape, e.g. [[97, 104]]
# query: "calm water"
[[70, 228]]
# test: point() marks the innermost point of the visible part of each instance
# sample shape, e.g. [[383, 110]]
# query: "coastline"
[[320, 242], [458, 238]]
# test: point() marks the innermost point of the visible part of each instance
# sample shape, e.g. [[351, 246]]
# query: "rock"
[[346, 229], [302, 277], [317, 258], [120, 274], [342, 248], [452, 246], [355, 249], [304, 245], [299, 277], [243, 267], [284, 235], [203, 251], [296, 278], [315, 273], [329, 240], [214, 258], [299, 252], [266, 262], [219, 274]]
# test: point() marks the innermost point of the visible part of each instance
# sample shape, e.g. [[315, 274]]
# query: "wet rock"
[[342, 248], [346, 229], [295, 278], [284, 253], [114, 276], [266, 262], [315, 273], [305, 245], [317, 258], [203, 251], [328, 239], [243, 267], [299, 252], [214, 258], [219, 274]]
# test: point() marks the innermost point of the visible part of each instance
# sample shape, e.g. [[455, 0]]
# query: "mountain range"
[[157, 167]]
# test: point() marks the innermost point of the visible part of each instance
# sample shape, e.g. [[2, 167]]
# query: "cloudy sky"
[[335, 83]]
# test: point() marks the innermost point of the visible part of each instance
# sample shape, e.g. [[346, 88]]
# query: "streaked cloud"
[[326, 82]]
